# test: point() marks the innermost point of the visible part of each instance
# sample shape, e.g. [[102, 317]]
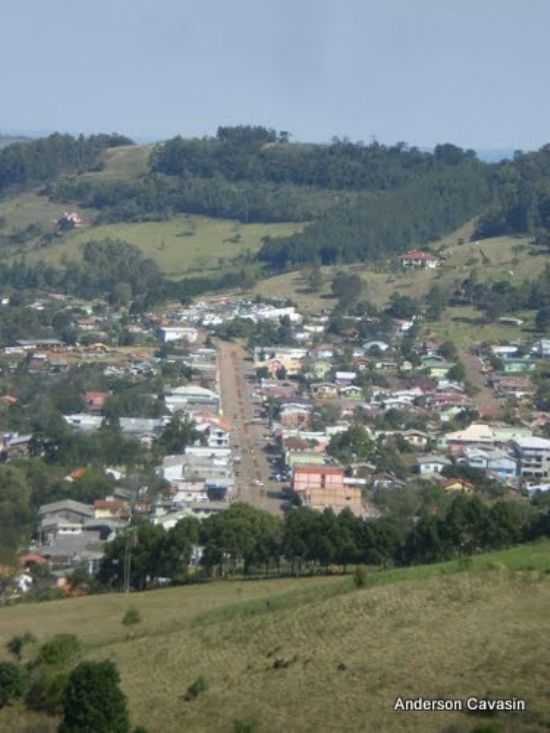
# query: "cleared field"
[[500, 258], [316, 655], [179, 245], [465, 326], [127, 162], [28, 208]]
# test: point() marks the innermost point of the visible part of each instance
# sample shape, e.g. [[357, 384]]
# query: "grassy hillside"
[[21, 211], [317, 655], [500, 258], [124, 163], [179, 245]]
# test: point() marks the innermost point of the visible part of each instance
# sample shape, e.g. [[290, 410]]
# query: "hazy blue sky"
[[474, 72]]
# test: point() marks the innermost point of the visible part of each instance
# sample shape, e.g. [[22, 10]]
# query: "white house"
[[179, 333], [431, 465]]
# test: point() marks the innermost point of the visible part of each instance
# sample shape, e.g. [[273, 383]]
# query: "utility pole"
[[131, 541]]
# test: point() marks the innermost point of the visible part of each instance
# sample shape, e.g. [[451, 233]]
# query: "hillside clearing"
[[126, 162], [500, 258], [181, 245], [316, 655]]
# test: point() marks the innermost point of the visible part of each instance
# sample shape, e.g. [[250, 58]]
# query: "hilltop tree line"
[[37, 161], [520, 199], [247, 540], [261, 155]]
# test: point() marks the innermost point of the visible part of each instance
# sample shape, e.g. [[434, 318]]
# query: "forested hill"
[[360, 202], [257, 154], [36, 161], [521, 197]]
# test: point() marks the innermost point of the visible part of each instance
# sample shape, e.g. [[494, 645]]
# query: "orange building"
[[323, 487]]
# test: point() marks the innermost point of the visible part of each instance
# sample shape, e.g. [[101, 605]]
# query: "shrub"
[[59, 650], [131, 617], [245, 726], [199, 685], [17, 644], [465, 563], [12, 682], [93, 700], [47, 690], [360, 576]]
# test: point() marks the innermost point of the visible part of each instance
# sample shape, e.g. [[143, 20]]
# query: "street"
[[249, 432]]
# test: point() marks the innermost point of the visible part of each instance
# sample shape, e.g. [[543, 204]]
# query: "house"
[[191, 396], [416, 258], [541, 348], [323, 487], [416, 438], [95, 401], [324, 390], [353, 392], [458, 484], [13, 445], [534, 458], [436, 367], [216, 431], [275, 358], [520, 365], [295, 415], [518, 387], [432, 464], [67, 510], [179, 333], [500, 463], [111, 509], [345, 378]]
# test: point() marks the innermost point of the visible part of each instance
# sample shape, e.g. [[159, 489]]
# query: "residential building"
[[323, 487], [432, 464], [415, 258], [534, 458]]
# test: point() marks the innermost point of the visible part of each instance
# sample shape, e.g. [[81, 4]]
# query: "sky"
[[473, 72]]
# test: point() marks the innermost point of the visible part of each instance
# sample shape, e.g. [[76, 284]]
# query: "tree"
[[177, 435], [93, 701], [352, 445], [347, 288], [542, 320], [457, 373], [402, 306], [436, 301], [448, 350], [314, 279], [12, 682]]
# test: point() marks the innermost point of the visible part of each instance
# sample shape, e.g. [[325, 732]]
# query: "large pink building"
[[323, 487]]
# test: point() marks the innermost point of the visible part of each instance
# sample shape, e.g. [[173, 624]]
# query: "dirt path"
[[248, 438], [485, 399]]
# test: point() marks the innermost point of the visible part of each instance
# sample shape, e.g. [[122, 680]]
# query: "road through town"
[[249, 431]]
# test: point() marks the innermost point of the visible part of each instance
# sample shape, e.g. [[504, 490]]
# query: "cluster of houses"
[[312, 388]]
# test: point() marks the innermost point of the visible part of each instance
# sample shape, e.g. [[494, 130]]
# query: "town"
[[230, 400]]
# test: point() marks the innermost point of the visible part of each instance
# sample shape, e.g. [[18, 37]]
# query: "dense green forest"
[[388, 224], [37, 161], [158, 197], [260, 155], [521, 197]]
